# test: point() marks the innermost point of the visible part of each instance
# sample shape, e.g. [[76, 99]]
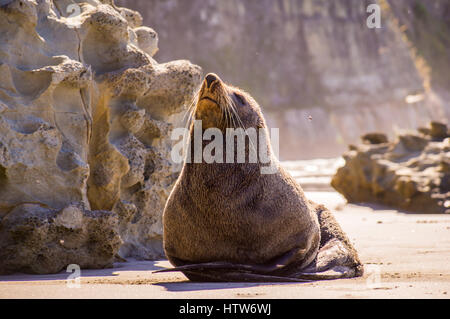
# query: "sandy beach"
[[405, 256]]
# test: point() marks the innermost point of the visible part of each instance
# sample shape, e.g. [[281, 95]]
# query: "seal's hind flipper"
[[334, 273], [337, 258]]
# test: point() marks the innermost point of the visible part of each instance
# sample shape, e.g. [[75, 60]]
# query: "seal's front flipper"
[[217, 266], [236, 276], [228, 272]]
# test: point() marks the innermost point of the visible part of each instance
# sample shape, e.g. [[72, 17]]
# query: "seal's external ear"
[[240, 98]]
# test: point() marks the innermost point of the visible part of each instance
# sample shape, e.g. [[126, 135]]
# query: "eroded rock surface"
[[41, 240], [85, 117], [412, 173]]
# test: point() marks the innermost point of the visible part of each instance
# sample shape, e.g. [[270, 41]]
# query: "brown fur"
[[229, 222]]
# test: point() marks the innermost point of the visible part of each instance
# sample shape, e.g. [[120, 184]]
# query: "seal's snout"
[[210, 78], [208, 108]]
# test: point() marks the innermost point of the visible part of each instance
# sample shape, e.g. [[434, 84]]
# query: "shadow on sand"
[[199, 286], [172, 284], [130, 265]]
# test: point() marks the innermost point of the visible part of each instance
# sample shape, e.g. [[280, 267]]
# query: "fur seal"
[[228, 222]]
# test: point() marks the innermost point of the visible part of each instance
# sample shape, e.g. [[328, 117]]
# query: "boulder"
[[438, 130], [37, 239], [412, 173], [374, 138]]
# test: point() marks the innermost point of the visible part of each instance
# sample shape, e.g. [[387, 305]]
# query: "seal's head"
[[224, 106]]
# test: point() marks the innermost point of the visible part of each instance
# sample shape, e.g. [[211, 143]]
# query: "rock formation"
[[319, 73], [412, 173], [85, 117], [38, 239]]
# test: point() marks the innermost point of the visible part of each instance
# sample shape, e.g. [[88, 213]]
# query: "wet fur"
[[229, 222]]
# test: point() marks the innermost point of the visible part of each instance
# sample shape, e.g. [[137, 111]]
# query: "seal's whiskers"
[[233, 108]]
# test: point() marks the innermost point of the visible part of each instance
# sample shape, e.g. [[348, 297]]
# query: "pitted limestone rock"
[[85, 120], [40, 240]]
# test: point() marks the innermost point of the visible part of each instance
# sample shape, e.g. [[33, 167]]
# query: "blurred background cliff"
[[319, 73]]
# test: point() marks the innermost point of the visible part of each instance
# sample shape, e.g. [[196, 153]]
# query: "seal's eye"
[[240, 98]]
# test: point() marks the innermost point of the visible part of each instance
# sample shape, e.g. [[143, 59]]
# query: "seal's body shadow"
[[229, 222], [198, 286]]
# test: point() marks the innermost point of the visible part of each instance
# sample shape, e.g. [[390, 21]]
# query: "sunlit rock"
[[411, 173], [85, 117]]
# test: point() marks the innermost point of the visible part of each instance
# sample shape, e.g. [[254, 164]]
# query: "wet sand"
[[405, 256]]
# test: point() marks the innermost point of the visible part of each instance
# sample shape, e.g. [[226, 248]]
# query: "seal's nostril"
[[210, 78]]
